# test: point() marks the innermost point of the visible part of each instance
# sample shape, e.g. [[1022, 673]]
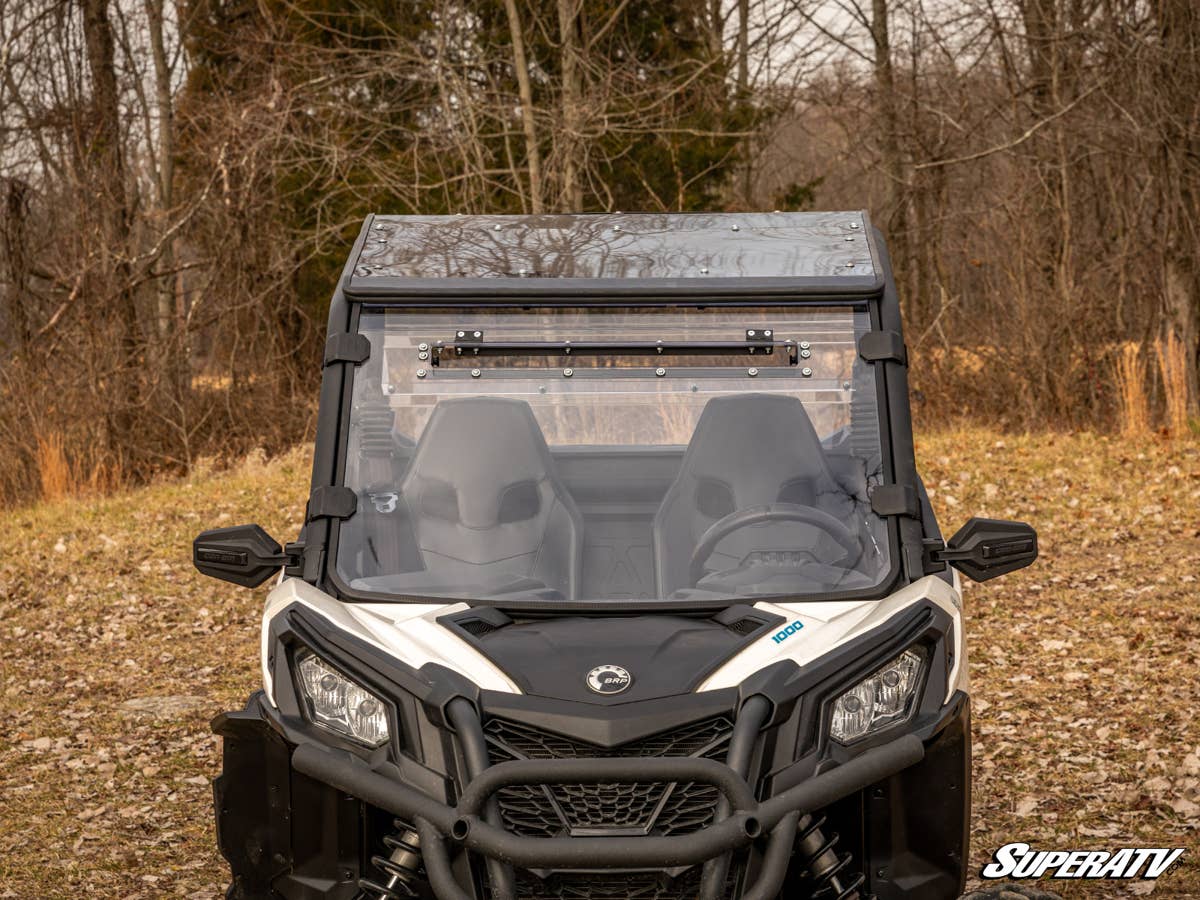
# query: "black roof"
[[650, 253]]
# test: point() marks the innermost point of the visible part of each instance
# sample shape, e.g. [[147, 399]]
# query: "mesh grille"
[[650, 807], [477, 627], [609, 886], [745, 626]]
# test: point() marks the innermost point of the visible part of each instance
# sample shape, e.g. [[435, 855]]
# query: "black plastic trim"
[[896, 500], [331, 503], [347, 348], [878, 346], [626, 291]]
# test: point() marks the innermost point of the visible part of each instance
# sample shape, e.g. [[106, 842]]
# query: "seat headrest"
[[472, 453], [754, 443]]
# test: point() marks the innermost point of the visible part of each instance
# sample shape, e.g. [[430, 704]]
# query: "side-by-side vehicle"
[[617, 579]]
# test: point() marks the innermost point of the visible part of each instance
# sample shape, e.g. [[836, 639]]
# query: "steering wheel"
[[769, 512]]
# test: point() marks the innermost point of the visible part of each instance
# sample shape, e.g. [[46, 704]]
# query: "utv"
[[617, 580]]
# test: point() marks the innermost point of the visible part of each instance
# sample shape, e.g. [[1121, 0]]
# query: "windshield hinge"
[[331, 503], [293, 555], [347, 348], [876, 346], [933, 551], [896, 500]]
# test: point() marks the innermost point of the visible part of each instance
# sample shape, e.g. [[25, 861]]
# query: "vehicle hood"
[[664, 655]]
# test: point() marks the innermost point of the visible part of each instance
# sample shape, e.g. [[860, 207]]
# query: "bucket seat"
[[748, 450], [487, 508]]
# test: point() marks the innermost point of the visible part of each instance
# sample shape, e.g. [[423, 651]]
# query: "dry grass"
[[1131, 389], [54, 472], [1083, 667], [61, 478], [1172, 365]]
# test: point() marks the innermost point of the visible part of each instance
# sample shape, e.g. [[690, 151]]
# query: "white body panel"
[[407, 631], [828, 625], [410, 632]]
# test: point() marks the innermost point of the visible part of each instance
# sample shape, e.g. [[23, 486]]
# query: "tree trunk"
[[1179, 26], [533, 154], [896, 201], [106, 173], [572, 105], [14, 242], [743, 96]]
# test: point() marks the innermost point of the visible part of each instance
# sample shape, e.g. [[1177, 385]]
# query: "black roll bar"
[[465, 824]]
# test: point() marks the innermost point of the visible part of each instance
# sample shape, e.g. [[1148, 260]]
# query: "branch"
[[1015, 142]]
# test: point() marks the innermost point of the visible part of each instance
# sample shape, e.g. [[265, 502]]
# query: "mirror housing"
[[243, 554], [985, 548]]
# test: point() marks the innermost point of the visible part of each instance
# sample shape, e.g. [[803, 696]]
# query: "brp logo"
[[608, 679]]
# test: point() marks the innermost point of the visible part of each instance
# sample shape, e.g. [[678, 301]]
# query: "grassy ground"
[[1084, 667]]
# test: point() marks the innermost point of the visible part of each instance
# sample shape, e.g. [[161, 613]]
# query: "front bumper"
[[774, 819], [291, 818]]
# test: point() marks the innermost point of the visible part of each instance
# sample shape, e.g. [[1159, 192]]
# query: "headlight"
[[339, 703], [877, 700]]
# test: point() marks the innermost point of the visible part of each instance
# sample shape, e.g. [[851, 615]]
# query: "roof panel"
[[617, 246]]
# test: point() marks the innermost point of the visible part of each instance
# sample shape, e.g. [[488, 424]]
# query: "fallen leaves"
[[1083, 667]]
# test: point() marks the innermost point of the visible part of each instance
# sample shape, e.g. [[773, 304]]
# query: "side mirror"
[[243, 554], [985, 548]]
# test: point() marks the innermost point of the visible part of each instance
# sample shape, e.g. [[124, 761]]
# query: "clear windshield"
[[572, 455]]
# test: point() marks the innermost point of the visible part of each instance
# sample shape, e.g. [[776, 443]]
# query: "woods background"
[[180, 182]]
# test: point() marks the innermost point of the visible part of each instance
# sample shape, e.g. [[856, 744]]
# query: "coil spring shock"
[[402, 865], [826, 869]]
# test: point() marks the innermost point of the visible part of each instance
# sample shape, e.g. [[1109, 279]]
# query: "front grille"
[[609, 886], [637, 808]]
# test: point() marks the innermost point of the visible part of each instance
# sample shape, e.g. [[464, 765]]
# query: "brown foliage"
[[178, 181]]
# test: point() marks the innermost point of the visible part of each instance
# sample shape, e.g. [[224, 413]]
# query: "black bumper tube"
[[775, 817], [604, 771], [749, 722], [463, 717]]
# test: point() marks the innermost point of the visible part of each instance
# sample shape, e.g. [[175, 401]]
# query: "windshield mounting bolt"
[[421, 373], [496, 227], [660, 371], [422, 346], [855, 226], [462, 334], [704, 270], [805, 354], [423, 355], [752, 372], [478, 334], [567, 373], [767, 332], [804, 345], [475, 373], [735, 228], [616, 228], [806, 372]]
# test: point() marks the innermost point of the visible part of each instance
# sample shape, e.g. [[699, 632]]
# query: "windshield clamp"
[[876, 346], [760, 339], [331, 503], [896, 500], [466, 342], [347, 348]]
